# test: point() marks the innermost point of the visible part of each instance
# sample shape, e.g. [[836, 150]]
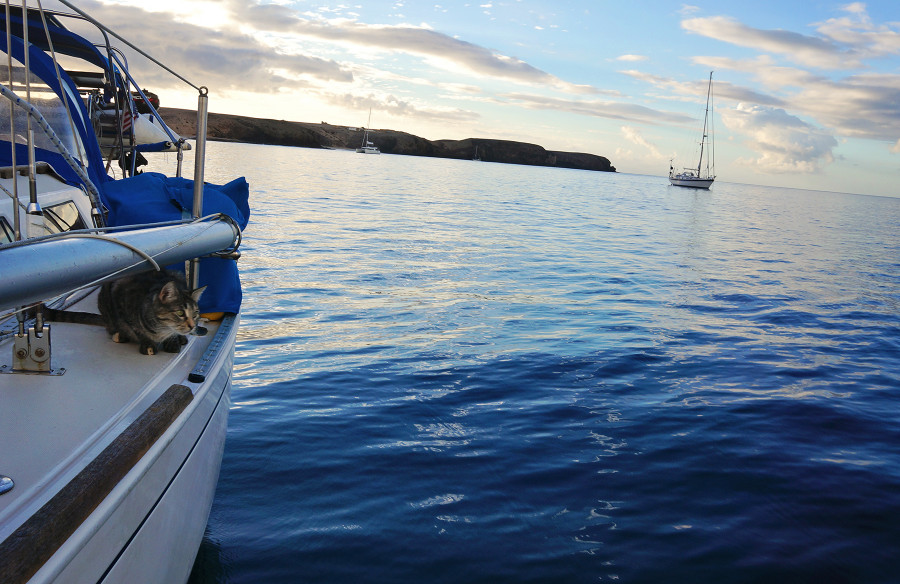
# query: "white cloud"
[[842, 43], [417, 40], [861, 105], [597, 108], [222, 59], [866, 105], [858, 31], [806, 50], [695, 90], [632, 58], [785, 142], [231, 59], [634, 135], [402, 107]]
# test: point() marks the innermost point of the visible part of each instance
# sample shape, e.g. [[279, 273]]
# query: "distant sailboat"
[[368, 147], [700, 177]]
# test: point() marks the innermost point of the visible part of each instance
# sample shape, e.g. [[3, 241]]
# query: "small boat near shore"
[[367, 146], [109, 458], [700, 177]]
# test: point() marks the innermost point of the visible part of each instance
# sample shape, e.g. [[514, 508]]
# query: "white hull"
[[175, 526], [109, 458], [151, 520], [368, 150], [692, 182]]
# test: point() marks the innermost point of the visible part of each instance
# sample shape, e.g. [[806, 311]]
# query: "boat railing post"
[[35, 214], [17, 229], [199, 162]]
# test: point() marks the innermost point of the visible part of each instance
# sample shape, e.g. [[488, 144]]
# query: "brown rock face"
[[283, 133]]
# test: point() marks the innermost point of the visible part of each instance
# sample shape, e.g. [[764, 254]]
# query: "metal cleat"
[[31, 353]]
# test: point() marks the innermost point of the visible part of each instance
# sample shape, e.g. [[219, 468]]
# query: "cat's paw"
[[173, 344], [147, 349], [119, 338]]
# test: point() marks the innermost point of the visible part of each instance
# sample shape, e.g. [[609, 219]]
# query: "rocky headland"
[[279, 132]]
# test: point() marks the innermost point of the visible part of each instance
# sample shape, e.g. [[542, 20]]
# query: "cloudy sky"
[[807, 93]]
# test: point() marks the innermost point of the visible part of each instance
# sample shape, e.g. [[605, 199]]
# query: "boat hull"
[[109, 455], [174, 528], [691, 182], [368, 150], [149, 525], [152, 523]]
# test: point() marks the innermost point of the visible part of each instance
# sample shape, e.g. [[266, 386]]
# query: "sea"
[[452, 371]]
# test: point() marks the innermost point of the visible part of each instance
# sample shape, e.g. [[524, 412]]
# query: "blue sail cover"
[[42, 66], [145, 198], [64, 41], [153, 197]]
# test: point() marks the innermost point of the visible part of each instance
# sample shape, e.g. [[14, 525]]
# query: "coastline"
[[227, 127]]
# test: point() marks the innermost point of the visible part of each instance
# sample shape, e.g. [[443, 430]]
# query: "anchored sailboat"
[[700, 177], [368, 147]]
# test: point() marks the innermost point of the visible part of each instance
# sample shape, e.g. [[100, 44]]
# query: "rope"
[[113, 240]]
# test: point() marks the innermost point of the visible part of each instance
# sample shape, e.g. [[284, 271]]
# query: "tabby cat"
[[154, 309]]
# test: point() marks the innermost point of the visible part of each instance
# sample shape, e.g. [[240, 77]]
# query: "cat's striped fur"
[[153, 309]]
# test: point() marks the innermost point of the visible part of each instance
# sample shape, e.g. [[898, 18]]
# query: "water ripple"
[[453, 372]]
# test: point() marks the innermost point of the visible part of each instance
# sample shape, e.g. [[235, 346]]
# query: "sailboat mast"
[[705, 120], [366, 130]]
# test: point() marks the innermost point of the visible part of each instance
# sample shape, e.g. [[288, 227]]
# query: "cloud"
[[230, 59], [220, 59], [695, 90], [634, 135], [402, 108], [597, 108], [861, 106], [417, 40], [632, 58], [858, 31], [842, 43], [785, 142], [865, 105], [806, 50]]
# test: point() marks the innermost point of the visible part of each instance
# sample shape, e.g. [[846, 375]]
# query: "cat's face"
[[177, 309]]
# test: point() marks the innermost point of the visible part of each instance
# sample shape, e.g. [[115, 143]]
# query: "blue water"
[[463, 372]]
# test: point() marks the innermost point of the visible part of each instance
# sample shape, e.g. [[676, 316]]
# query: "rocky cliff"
[[280, 132]]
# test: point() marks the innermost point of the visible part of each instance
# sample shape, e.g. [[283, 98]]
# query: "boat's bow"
[[109, 458]]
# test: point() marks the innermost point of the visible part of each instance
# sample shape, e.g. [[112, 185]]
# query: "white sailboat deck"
[[72, 417]]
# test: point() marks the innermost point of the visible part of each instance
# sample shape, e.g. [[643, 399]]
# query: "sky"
[[806, 93]]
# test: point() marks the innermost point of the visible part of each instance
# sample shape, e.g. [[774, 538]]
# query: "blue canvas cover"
[[42, 66], [64, 41], [153, 197], [145, 198]]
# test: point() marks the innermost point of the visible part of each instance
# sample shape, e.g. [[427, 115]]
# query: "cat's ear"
[[196, 293], [169, 293]]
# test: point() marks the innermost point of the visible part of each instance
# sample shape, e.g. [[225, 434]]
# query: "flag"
[[126, 120]]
